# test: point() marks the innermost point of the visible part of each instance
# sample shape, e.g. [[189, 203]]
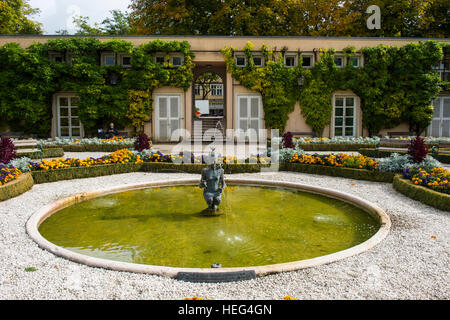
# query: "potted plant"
[[197, 112]]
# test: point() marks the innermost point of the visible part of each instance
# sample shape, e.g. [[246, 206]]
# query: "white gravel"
[[408, 264]]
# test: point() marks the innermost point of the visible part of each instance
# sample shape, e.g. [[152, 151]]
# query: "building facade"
[[219, 101]]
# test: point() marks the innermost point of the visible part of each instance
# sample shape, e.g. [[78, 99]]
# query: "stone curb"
[[38, 217]]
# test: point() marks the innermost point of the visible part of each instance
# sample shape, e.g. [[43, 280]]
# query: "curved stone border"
[[425, 195], [16, 187], [38, 217]]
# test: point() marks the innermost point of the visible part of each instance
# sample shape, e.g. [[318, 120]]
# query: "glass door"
[[69, 125], [344, 116], [440, 125]]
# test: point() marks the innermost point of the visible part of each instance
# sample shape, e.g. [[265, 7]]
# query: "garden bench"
[[302, 134], [400, 134], [393, 145], [12, 135], [123, 134], [442, 148]]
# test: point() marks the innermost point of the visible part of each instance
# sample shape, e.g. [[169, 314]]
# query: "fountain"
[[213, 183]]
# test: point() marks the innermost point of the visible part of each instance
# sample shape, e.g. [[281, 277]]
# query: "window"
[[108, 59], [339, 61], [290, 60], [56, 57], [197, 90], [307, 61], [160, 59], [258, 61], [69, 125], [353, 61], [443, 69], [344, 116], [240, 61], [216, 90], [177, 61], [126, 61]]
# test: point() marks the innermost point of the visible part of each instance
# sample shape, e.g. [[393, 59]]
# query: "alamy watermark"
[[374, 21]]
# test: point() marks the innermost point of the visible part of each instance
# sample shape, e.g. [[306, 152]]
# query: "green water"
[[164, 226]]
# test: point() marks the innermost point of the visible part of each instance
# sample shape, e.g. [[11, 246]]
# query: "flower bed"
[[336, 160], [371, 152], [16, 186], [122, 156], [436, 179], [8, 174], [190, 158], [88, 144], [420, 193]]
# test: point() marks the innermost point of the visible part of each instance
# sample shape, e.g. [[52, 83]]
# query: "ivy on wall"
[[395, 84], [28, 80], [276, 84]]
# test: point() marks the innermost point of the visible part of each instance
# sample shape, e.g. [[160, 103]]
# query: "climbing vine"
[[276, 84], [29, 78], [395, 84]]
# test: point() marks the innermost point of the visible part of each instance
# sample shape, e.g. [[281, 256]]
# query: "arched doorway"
[[209, 101]]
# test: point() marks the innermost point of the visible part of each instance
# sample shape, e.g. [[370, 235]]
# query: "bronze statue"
[[213, 183]]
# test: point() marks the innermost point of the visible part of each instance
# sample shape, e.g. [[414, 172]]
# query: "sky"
[[57, 14]]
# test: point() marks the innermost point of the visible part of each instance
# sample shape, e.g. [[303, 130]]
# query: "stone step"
[[19, 151]]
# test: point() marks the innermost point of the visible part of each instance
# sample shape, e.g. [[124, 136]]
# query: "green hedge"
[[350, 173], [444, 158], [46, 153], [83, 172], [333, 146], [425, 195], [197, 168], [16, 187], [91, 147]]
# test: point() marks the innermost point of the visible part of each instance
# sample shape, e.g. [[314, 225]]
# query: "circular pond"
[[164, 226]]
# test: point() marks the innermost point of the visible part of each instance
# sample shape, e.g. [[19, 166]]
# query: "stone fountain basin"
[[38, 217]]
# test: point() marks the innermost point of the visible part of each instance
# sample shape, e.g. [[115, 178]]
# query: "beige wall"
[[207, 50], [215, 43]]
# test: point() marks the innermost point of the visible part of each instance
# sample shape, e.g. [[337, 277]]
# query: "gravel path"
[[411, 263]]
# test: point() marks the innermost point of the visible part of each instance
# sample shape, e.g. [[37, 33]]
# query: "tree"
[[118, 24], [404, 18], [14, 18]]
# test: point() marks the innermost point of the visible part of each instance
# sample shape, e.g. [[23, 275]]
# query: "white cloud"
[[56, 15]]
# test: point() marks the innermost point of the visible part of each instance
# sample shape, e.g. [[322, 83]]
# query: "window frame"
[[310, 55], [344, 107], [241, 55], [105, 55], [291, 55]]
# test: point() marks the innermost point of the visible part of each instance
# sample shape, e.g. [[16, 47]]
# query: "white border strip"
[[38, 217]]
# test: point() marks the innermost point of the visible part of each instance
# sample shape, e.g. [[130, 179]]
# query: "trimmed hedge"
[[46, 153], [91, 147], [83, 172], [197, 168], [350, 173], [425, 195], [333, 146], [16, 187], [370, 152]]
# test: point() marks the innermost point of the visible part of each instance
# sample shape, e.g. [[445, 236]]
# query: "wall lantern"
[[113, 78]]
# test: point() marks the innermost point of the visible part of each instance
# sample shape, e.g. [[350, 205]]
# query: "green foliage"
[[83, 172], [425, 195], [16, 187], [14, 18], [395, 84], [276, 84], [350, 173], [29, 79]]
